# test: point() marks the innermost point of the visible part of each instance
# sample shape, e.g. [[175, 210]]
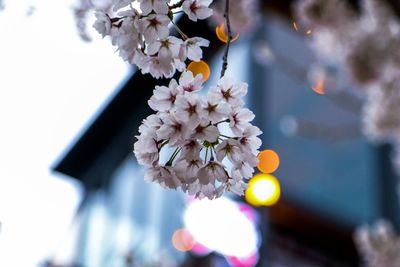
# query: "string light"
[[263, 190], [200, 67], [268, 161]]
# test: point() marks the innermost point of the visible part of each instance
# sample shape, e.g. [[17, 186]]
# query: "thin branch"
[[179, 4], [183, 35], [228, 26]]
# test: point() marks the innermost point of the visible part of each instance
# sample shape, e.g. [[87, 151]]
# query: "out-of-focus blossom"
[[379, 245], [381, 112], [367, 46], [324, 13], [263, 53]]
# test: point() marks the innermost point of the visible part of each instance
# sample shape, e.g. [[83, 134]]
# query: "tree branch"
[[228, 26]]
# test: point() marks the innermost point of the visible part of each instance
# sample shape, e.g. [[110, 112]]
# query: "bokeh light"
[[222, 34], [200, 67], [229, 231], [319, 87], [263, 190], [182, 240], [268, 161]]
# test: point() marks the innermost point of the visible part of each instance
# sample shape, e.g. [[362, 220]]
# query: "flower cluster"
[[213, 142], [379, 245], [142, 34]]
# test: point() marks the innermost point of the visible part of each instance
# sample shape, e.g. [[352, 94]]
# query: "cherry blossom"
[[226, 90], [197, 9], [214, 146], [163, 98], [103, 23], [191, 48], [188, 83], [239, 119], [159, 6], [188, 123], [142, 35]]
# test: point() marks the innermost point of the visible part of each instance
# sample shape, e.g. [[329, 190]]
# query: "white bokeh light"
[[220, 226], [264, 190]]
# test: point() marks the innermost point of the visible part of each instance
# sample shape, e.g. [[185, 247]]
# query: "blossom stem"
[[227, 120], [176, 152], [228, 26], [205, 158], [227, 136], [163, 144], [184, 36], [211, 153]]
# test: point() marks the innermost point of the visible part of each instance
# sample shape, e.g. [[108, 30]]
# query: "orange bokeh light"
[[200, 67], [268, 161], [319, 88], [222, 35], [182, 240]]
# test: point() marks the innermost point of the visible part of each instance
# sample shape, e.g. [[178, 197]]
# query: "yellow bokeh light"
[[222, 35], [268, 161], [200, 67], [263, 190], [182, 240]]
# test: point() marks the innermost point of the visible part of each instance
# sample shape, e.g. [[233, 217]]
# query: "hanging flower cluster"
[[379, 245], [214, 144], [143, 36]]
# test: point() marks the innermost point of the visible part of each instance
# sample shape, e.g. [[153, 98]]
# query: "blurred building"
[[332, 179]]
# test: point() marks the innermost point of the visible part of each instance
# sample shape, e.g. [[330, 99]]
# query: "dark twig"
[[228, 26], [179, 4]]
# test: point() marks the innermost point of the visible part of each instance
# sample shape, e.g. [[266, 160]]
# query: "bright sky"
[[51, 85]]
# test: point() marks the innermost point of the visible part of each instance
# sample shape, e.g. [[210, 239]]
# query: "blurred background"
[[72, 193]]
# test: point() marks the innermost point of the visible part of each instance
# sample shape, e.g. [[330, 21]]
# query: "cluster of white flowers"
[[379, 245], [244, 14], [142, 34], [214, 145]]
